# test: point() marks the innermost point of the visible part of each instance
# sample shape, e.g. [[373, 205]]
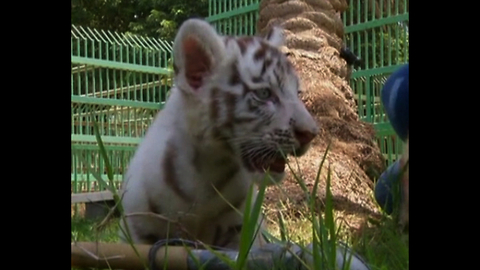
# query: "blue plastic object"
[[385, 187], [395, 100]]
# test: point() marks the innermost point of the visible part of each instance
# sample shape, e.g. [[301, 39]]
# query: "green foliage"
[[155, 18], [378, 44], [88, 230]]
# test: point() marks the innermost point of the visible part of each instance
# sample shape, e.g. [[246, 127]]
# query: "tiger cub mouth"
[[275, 164]]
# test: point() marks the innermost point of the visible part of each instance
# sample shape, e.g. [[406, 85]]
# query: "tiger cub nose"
[[304, 136]]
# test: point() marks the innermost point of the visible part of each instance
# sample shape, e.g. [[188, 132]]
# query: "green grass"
[[381, 244], [90, 231]]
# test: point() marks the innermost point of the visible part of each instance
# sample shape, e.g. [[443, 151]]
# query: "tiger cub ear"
[[197, 50], [275, 36]]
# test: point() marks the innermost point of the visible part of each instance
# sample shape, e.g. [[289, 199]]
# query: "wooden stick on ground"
[[122, 256]]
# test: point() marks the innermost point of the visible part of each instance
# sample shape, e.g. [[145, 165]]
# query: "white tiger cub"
[[233, 111]]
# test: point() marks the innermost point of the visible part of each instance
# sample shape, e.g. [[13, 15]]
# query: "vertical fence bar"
[[389, 8], [75, 171], [370, 99], [389, 48], [381, 9], [390, 149], [252, 24], [350, 19], [87, 172], [163, 90], [209, 8]]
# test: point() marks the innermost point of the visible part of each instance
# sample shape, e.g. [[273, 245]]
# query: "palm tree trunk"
[[314, 32]]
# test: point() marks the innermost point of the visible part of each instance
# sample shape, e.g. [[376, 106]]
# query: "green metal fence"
[[375, 30], [234, 17], [121, 80], [118, 81]]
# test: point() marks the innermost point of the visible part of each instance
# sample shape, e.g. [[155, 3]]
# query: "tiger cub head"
[[243, 92]]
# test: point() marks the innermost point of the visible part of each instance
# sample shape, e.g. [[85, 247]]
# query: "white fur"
[[276, 38]]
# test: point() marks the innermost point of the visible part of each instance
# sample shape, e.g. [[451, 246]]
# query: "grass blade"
[[103, 152], [330, 220], [250, 222]]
